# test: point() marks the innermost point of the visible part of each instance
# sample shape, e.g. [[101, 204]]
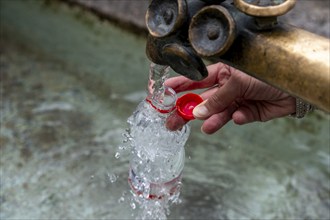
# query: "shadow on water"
[[69, 81]]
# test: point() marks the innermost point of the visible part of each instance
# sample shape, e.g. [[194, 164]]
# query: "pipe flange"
[[164, 17], [265, 8], [212, 31]]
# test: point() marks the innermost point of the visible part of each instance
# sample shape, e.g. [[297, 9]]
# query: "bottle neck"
[[164, 104]]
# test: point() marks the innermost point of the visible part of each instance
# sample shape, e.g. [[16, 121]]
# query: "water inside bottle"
[[157, 154]]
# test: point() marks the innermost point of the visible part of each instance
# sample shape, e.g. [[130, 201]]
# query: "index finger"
[[181, 83]]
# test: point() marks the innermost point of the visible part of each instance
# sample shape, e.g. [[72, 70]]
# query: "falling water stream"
[[157, 76], [157, 154]]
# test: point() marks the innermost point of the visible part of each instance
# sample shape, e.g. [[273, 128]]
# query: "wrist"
[[302, 108]]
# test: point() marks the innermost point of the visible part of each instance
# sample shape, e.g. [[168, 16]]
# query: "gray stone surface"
[[311, 15], [129, 13]]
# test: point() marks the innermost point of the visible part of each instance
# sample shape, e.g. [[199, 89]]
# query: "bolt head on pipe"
[[212, 31], [164, 17]]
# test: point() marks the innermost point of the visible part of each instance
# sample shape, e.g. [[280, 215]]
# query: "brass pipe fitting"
[[250, 39], [164, 17], [167, 43], [212, 31], [294, 60]]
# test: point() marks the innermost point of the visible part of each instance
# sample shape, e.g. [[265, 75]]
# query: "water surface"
[[69, 81]]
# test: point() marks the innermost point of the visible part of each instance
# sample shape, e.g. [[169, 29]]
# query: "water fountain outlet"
[[174, 53], [167, 44]]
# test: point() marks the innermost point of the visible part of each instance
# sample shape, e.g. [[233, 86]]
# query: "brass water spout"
[[244, 34], [167, 43]]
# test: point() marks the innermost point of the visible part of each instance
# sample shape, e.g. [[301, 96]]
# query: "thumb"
[[218, 101]]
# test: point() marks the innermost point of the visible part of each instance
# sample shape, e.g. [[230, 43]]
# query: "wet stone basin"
[[69, 81]]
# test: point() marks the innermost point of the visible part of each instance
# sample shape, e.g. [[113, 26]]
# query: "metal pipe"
[[291, 59], [294, 60], [286, 57]]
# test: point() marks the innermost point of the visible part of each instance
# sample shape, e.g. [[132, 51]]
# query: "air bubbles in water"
[[127, 136], [168, 211], [121, 199], [133, 206], [122, 147], [112, 177]]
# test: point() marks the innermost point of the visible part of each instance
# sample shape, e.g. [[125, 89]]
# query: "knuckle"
[[214, 103]]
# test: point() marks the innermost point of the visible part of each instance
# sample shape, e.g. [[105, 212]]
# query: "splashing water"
[[112, 177], [117, 155], [157, 154]]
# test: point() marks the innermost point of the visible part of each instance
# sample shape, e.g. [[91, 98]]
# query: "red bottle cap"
[[186, 104]]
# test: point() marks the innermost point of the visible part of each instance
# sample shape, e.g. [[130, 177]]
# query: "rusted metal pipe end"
[[184, 61], [265, 8], [171, 52], [212, 31], [164, 17]]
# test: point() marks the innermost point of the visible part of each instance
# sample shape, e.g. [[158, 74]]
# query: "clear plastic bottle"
[[158, 154]]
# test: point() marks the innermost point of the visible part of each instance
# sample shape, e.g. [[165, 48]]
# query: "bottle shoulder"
[[145, 115], [148, 130]]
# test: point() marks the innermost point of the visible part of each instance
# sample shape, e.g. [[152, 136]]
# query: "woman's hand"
[[231, 94]]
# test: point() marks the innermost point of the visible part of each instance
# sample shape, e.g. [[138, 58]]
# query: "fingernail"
[[200, 111], [202, 130]]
